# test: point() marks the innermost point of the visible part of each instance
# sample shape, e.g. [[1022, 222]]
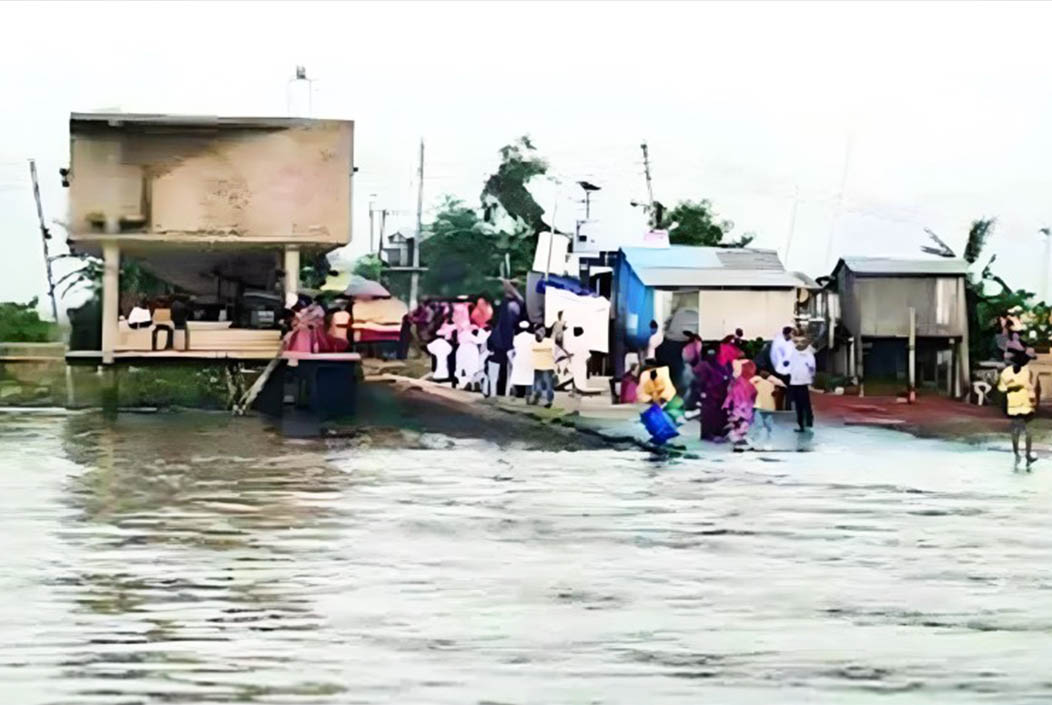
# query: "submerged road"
[[201, 559]]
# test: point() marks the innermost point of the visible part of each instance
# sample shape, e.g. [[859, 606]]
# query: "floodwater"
[[199, 559]]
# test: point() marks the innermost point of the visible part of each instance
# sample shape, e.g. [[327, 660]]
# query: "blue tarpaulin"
[[565, 283], [634, 306]]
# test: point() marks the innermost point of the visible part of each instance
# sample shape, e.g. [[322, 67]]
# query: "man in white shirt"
[[140, 317], [801, 376], [781, 350], [655, 340]]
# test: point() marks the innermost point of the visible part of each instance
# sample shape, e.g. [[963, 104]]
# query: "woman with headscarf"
[[630, 379], [729, 351], [739, 405], [482, 313], [461, 315], [306, 323], [711, 379]]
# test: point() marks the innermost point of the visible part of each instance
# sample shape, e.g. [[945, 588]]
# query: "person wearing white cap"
[[522, 360]]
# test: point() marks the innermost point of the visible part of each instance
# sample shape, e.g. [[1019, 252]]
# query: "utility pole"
[[372, 228], [383, 225], [839, 200], [45, 235], [792, 224], [414, 278], [650, 184]]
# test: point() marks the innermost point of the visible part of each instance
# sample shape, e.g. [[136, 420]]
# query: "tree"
[[466, 250], [20, 323], [695, 223], [519, 162], [462, 257], [314, 272], [136, 282], [369, 266], [984, 308]]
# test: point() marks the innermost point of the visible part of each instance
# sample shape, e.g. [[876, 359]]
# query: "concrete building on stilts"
[[223, 210]]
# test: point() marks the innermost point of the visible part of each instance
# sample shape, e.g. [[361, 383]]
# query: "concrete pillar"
[[860, 367], [111, 255], [292, 269], [963, 386]]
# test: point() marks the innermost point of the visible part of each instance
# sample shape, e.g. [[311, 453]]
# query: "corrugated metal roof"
[[807, 281], [688, 257], [701, 278], [750, 259], [673, 256], [685, 266], [892, 266]]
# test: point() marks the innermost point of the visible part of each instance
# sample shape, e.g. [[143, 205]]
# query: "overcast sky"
[[875, 120]]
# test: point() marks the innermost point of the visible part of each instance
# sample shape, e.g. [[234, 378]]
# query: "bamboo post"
[[913, 356]]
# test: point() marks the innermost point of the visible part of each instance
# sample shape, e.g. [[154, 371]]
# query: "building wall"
[[850, 310], [883, 304], [290, 184], [759, 313]]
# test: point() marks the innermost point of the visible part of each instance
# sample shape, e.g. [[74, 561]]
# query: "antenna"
[[296, 84]]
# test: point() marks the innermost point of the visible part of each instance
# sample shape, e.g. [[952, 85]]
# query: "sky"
[[826, 129]]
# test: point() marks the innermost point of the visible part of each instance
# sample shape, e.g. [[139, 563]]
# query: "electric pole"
[[383, 224], [650, 184], [839, 200], [372, 229], [414, 278], [44, 236]]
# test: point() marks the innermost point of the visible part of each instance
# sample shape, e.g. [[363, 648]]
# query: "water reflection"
[[197, 558], [191, 520]]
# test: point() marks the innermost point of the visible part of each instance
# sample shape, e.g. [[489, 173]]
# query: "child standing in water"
[[765, 384], [740, 402]]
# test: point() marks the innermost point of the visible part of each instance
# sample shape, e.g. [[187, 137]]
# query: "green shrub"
[[20, 323], [190, 387]]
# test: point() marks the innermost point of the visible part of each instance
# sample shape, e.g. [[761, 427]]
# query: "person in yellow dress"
[[1022, 390]]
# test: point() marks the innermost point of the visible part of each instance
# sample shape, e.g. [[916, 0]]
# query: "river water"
[[200, 559]]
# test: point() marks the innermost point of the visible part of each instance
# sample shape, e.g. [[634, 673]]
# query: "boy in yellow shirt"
[[1022, 392], [543, 353], [765, 384]]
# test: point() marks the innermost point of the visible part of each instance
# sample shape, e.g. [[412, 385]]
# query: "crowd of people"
[[721, 387], [496, 350], [493, 348]]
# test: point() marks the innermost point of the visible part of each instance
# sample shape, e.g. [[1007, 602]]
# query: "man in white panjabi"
[[522, 360]]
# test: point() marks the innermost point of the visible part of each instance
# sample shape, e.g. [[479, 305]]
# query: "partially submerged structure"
[[902, 319], [223, 209]]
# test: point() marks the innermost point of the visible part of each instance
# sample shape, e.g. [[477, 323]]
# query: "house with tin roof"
[[883, 303], [720, 289]]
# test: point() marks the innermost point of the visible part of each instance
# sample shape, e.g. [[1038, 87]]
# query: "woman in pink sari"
[[307, 324], [739, 404]]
